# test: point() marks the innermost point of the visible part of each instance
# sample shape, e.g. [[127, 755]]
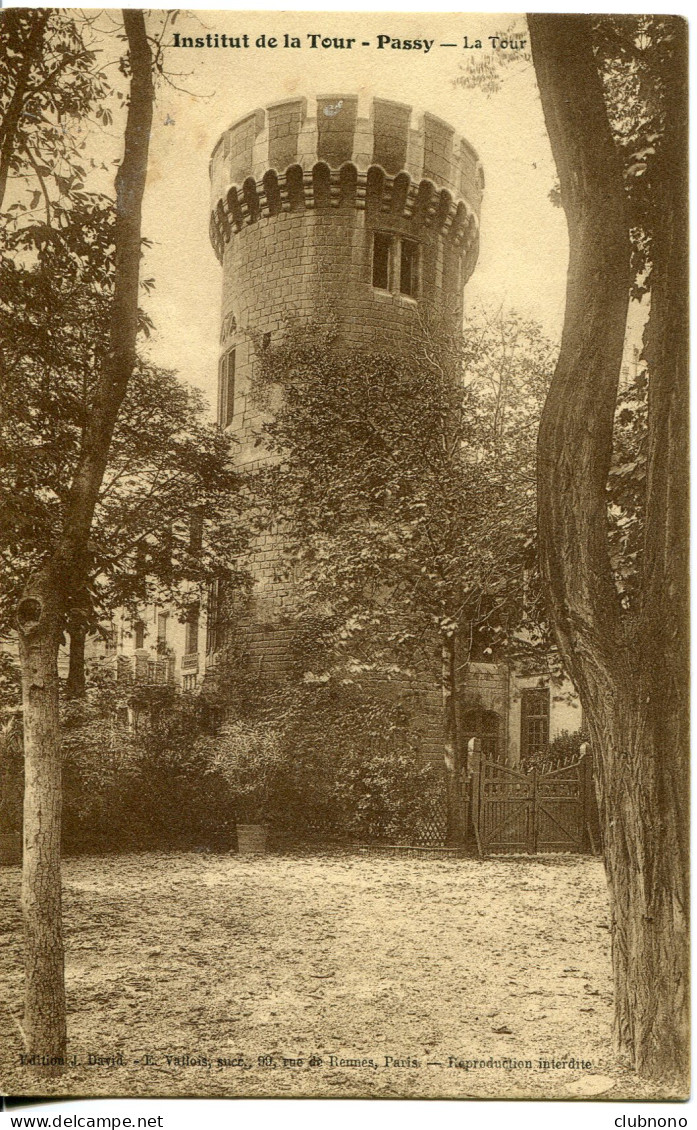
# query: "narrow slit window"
[[196, 532], [212, 619], [140, 634], [381, 260], [409, 268], [226, 388]]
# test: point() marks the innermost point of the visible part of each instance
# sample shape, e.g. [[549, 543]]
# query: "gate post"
[[533, 819], [474, 759], [591, 824]]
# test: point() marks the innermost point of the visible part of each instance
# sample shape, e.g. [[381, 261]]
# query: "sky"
[[523, 253]]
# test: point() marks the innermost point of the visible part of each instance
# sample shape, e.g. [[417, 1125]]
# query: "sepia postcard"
[[344, 748]]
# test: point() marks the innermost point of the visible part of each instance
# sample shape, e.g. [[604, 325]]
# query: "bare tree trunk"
[[75, 683], [452, 754], [661, 1040], [44, 1001], [42, 609], [630, 671], [648, 898]]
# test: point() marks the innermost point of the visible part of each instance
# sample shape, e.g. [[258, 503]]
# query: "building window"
[[403, 277], [162, 618], [226, 388], [140, 634], [111, 640], [164, 552], [191, 632], [196, 532], [409, 267], [189, 682], [534, 722], [212, 618], [382, 245]]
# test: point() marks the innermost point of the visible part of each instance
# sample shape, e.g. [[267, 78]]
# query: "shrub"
[[11, 774], [152, 789], [99, 757], [387, 795], [249, 758], [324, 761], [565, 748], [340, 762]]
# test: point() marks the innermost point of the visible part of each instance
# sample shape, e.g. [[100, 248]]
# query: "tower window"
[[409, 267], [403, 276], [212, 618], [382, 244], [226, 388]]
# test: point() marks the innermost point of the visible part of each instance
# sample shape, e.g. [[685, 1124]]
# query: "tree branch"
[[10, 123]]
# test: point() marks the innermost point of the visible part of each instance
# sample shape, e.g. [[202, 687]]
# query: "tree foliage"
[[50, 86], [167, 467], [404, 487]]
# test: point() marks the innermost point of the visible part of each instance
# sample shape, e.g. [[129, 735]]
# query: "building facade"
[[154, 648]]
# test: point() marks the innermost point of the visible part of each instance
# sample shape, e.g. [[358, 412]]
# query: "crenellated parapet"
[[339, 154]]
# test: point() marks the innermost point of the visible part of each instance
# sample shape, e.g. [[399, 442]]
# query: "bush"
[[249, 758], [388, 795], [339, 762], [151, 789], [11, 774], [327, 761], [563, 749]]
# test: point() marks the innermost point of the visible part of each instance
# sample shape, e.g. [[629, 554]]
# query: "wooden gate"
[[537, 811]]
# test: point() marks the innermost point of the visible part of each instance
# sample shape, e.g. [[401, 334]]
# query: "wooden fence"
[[542, 810]]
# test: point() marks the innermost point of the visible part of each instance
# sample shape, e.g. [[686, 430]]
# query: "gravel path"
[[207, 974]]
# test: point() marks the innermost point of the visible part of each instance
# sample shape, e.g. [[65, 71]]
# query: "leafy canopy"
[[404, 487]]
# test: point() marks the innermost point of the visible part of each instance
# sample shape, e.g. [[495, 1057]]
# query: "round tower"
[[367, 210]]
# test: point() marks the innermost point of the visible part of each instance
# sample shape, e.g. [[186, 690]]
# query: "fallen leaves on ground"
[[328, 974]]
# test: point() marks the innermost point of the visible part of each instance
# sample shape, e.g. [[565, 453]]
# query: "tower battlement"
[[339, 152]]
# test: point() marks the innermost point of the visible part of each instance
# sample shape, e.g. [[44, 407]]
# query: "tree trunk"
[[662, 1040], [648, 897], [41, 612], [452, 754], [75, 683], [39, 619], [630, 672]]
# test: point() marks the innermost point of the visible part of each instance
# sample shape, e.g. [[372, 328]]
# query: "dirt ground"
[[196, 974]]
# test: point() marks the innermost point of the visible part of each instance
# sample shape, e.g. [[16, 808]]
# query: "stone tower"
[[367, 210]]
